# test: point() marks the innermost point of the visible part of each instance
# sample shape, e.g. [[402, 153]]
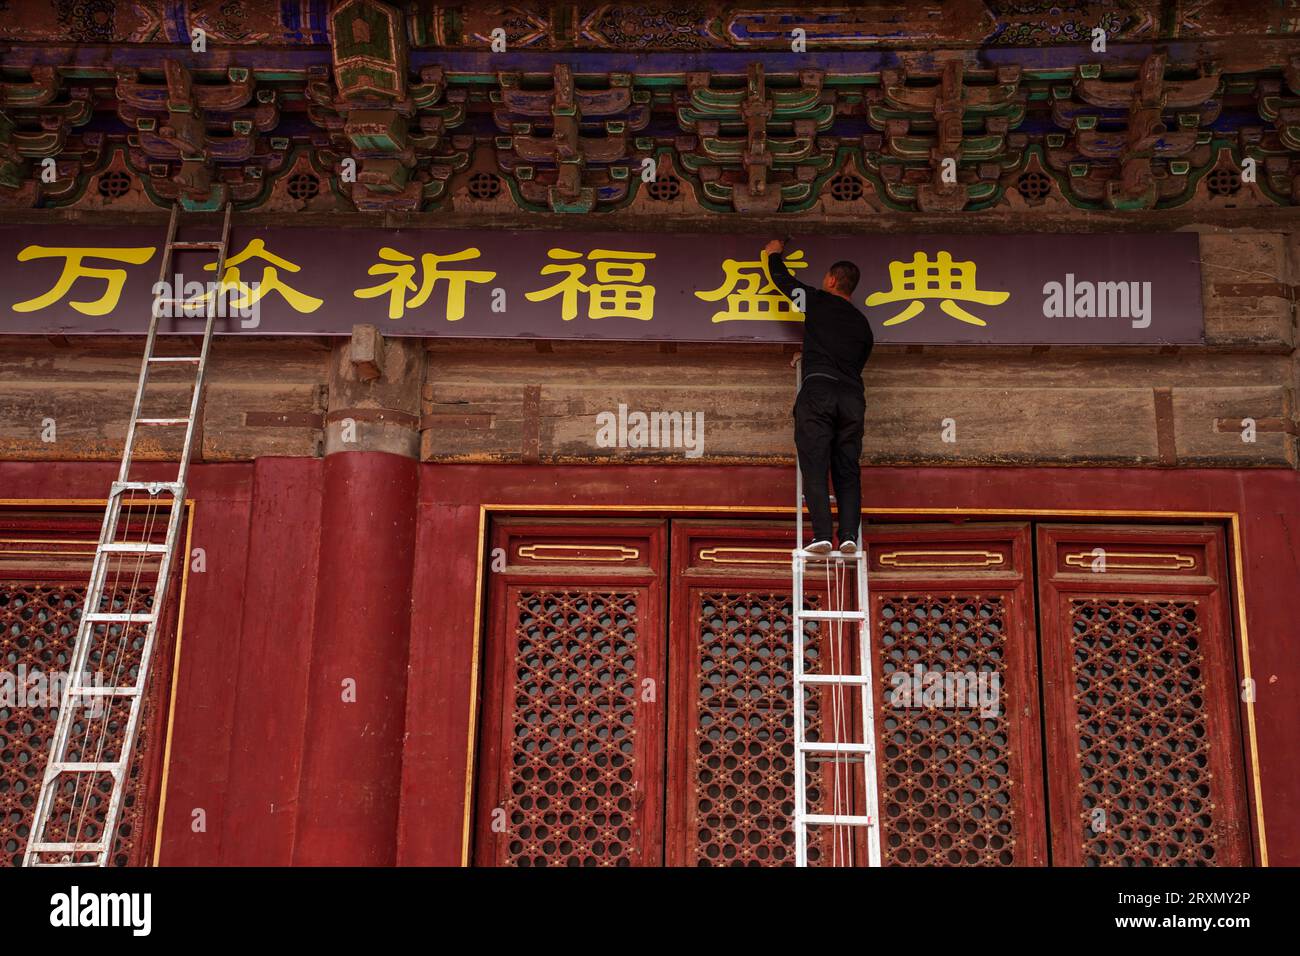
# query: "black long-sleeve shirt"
[[837, 337]]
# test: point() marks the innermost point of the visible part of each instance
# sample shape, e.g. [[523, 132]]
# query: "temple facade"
[[487, 535]]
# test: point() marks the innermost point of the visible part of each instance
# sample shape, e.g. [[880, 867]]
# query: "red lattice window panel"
[[742, 760], [1143, 741], [947, 794], [571, 770], [1144, 745], [38, 630]]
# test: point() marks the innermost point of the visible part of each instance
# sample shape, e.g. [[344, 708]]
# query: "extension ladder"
[[86, 766], [835, 679]]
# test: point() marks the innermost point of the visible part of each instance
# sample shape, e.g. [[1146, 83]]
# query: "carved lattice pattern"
[[38, 631], [744, 736], [114, 185], [485, 186], [304, 186], [665, 188], [1143, 743], [1034, 186], [572, 768], [1223, 182], [846, 188], [944, 771]]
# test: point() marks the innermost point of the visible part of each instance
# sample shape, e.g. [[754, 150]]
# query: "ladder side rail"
[[798, 471], [200, 374], [163, 581], [161, 589], [868, 695], [164, 267], [796, 690]]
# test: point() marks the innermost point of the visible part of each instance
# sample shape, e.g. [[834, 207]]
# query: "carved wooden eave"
[[359, 106]]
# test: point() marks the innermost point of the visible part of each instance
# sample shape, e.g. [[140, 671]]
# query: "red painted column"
[[348, 801]]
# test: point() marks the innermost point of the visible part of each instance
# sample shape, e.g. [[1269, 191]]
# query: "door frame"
[[1231, 520], [1208, 583]]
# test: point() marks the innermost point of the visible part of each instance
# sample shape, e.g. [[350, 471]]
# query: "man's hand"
[[796, 359], [775, 246]]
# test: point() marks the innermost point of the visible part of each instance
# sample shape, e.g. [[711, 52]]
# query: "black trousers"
[[828, 424]]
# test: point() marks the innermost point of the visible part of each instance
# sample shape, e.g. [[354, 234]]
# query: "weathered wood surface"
[[261, 395], [1232, 266], [1069, 406]]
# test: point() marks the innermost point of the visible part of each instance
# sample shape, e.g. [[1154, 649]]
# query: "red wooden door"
[[731, 753], [960, 783], [572, 739], [1140, 681], [957, 785]]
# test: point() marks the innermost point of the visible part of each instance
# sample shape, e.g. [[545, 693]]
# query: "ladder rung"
[[855, 679], [831, 615], [830, 747], [152, 487], [133, 547], [61, 864], [199, 244], [66, 848], [830, 819], [114, 617], [93, 691], [162, 421], [86, 766], [192, 359]]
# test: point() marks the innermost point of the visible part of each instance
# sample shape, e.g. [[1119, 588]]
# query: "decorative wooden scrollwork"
[[952, 558], [611, 553], [1130, 560]]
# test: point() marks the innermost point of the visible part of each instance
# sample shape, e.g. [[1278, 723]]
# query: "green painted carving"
[[570, 149], [369, 50]]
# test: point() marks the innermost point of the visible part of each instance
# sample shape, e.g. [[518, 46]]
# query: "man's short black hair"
[[845, 275]]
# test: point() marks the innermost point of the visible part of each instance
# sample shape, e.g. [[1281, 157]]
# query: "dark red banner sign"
[[995, 290]]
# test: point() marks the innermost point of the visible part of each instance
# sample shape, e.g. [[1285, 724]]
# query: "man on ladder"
[[830, 408], [828, 413]]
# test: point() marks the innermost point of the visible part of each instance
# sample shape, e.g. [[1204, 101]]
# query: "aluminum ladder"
[[832, 624], [83, 757]]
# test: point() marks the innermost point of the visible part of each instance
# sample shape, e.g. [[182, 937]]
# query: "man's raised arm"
[[782, 277]]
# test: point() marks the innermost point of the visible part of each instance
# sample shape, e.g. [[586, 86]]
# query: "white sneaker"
[[818, 547], [848, 547]]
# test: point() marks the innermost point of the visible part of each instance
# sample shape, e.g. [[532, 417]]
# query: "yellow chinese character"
[[402, 281], [941, 279], [248, 294], [751, 294], [617, 290], [74, 269]]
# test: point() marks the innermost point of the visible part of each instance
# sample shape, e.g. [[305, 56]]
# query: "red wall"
[[360, 567]]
